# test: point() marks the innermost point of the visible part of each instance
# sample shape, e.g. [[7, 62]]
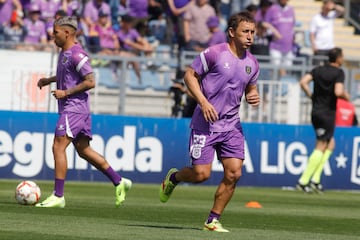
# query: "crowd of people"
[[130, 28]]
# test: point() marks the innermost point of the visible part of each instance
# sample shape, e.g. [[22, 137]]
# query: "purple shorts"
[[226, 144], [73, 125]]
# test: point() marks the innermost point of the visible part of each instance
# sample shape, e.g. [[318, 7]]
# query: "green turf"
[[90, 213]]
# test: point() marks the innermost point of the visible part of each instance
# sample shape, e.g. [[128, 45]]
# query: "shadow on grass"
[[162, 227]]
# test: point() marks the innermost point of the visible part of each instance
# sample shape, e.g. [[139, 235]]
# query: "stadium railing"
[[120, 93]]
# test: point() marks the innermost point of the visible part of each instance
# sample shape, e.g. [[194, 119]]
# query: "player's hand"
[[253, 99], [58, 94], [43, 82], [209, 112]]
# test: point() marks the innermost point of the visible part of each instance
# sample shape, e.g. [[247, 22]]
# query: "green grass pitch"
[[90, 213]]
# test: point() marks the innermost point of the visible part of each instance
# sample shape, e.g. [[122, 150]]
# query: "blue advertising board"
[[143, 149]]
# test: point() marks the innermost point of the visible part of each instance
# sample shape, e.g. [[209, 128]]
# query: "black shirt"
[[324, 78]]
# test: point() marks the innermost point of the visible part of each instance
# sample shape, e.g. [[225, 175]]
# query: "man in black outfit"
[[328, 86]]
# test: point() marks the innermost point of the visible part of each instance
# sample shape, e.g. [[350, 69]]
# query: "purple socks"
[[113, 176], [173, 179], [59, 187], [212, 216]]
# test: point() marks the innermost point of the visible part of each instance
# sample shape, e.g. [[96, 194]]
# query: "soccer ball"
[[27, 193]]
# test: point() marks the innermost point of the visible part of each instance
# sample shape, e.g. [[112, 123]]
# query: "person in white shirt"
[[321, 27]]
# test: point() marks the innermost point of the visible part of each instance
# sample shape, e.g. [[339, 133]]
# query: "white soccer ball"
[[27, 193]]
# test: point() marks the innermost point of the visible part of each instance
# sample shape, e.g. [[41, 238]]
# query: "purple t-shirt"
[[73, 65], [72, 7], [216, 38], [177, 4], [92, 10], [224, 78], [106, 35], [49, 8], [132, 35], [138, 8], [35, 31], [5, 11], [283, 19]]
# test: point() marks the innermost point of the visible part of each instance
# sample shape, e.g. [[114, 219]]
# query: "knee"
[[233, 176], [201, 176]]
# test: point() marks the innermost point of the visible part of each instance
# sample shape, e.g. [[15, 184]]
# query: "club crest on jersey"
[[248, 69], [64, 59]]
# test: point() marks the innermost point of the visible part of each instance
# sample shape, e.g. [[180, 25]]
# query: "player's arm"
[[192, 79], [46, 81], [340, 91], [252, 95], [304, 84], [87, 83]]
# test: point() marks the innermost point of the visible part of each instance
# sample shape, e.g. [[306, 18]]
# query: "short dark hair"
[[334, 54], [244, 16]]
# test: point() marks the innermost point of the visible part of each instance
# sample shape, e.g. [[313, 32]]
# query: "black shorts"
[[324, 124]]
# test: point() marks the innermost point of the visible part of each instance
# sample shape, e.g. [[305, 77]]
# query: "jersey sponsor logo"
[[226, 65]]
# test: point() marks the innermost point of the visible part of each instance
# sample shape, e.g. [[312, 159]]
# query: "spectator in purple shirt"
[[138, 9], [264, 6], [49, 8], [35, 28], [217, 35], [91, 15], [71, 7], [282, 17], [130, 39]]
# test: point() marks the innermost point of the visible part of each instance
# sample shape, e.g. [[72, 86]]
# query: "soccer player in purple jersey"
[[74, 77], [217, 79]]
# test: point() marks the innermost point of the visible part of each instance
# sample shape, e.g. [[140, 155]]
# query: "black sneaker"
[[304, 188], [317, 187]]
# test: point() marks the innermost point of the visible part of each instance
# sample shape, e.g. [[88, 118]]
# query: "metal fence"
[[120, 93]]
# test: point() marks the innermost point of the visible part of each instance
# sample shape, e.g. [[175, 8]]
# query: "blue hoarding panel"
[[143, 149]]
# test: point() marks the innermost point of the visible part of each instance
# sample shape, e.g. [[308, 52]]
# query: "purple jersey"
[[5, 11], [283, 19], [224, 78], [49, 8], [106, 35], [35, 31], [130, 35], [216, 38], [92, 10], [73, 66], [72, 7], [138, 8]]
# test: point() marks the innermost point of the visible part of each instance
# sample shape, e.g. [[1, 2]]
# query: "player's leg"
[[224, 193], [230, 150], [85, 151], [316, 178], [202, 154], [313, 163], [61, 142]]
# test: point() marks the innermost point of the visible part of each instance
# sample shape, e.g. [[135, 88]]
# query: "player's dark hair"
[[334, 54], [234, 20]]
